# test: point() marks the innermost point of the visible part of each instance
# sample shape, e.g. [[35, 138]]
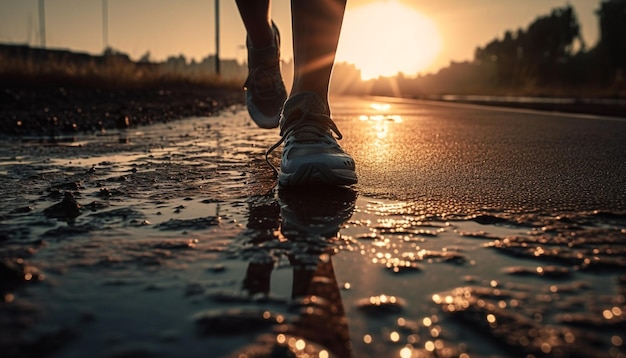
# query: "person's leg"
[[316, 26], [311, 155], [255, 15], [265, 90]]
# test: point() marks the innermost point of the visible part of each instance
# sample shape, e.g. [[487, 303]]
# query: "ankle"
[[262, 39]]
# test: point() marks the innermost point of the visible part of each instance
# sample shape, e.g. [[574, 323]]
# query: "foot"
[[265, 90], [311, 155]]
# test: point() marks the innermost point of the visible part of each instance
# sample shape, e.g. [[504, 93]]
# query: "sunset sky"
[[168, 27]]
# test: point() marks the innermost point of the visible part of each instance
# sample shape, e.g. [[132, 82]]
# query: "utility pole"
[[105, 24], [217, 37], [42, 24]]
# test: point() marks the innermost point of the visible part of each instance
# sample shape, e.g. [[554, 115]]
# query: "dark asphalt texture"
[[452, 158]]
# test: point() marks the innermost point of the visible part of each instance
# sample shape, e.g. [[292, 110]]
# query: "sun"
[[386, 37]]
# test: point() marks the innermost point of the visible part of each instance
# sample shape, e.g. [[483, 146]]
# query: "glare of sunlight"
[[380, 106], [381, 120], [385, 38]]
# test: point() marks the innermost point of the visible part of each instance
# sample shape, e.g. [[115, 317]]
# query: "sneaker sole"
[[313, 174]]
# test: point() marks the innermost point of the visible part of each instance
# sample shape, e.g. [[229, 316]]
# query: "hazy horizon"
[[165, 28]]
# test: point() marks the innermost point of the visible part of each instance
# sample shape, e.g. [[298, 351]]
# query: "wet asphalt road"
[[459, 158], [182, 215]]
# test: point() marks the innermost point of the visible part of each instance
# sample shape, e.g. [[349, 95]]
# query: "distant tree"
[[179, 60], [112, 55], [549, 42], [110, 51], [504, 56], [612, 45], [176, 63], [145, 58], [533, 55], [551, 38]]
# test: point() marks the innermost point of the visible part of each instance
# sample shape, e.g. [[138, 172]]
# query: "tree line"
[[547, 58]]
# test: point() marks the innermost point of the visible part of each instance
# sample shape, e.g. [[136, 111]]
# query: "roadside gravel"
[[54, 110]]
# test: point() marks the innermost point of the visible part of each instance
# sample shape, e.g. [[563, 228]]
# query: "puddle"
[[177, 241]]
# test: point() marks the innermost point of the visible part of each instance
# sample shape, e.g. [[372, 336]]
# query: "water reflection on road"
[[300, 230]]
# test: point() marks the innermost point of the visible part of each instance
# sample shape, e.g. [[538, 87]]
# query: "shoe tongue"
[[309, 133], [306, 102], [297, 108]]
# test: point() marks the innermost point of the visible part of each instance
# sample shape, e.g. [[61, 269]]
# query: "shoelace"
[[321, 121], [266, 91]]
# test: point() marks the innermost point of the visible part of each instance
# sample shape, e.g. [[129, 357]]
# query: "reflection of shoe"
[[315, 212], [311, 155], [265, 90]]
